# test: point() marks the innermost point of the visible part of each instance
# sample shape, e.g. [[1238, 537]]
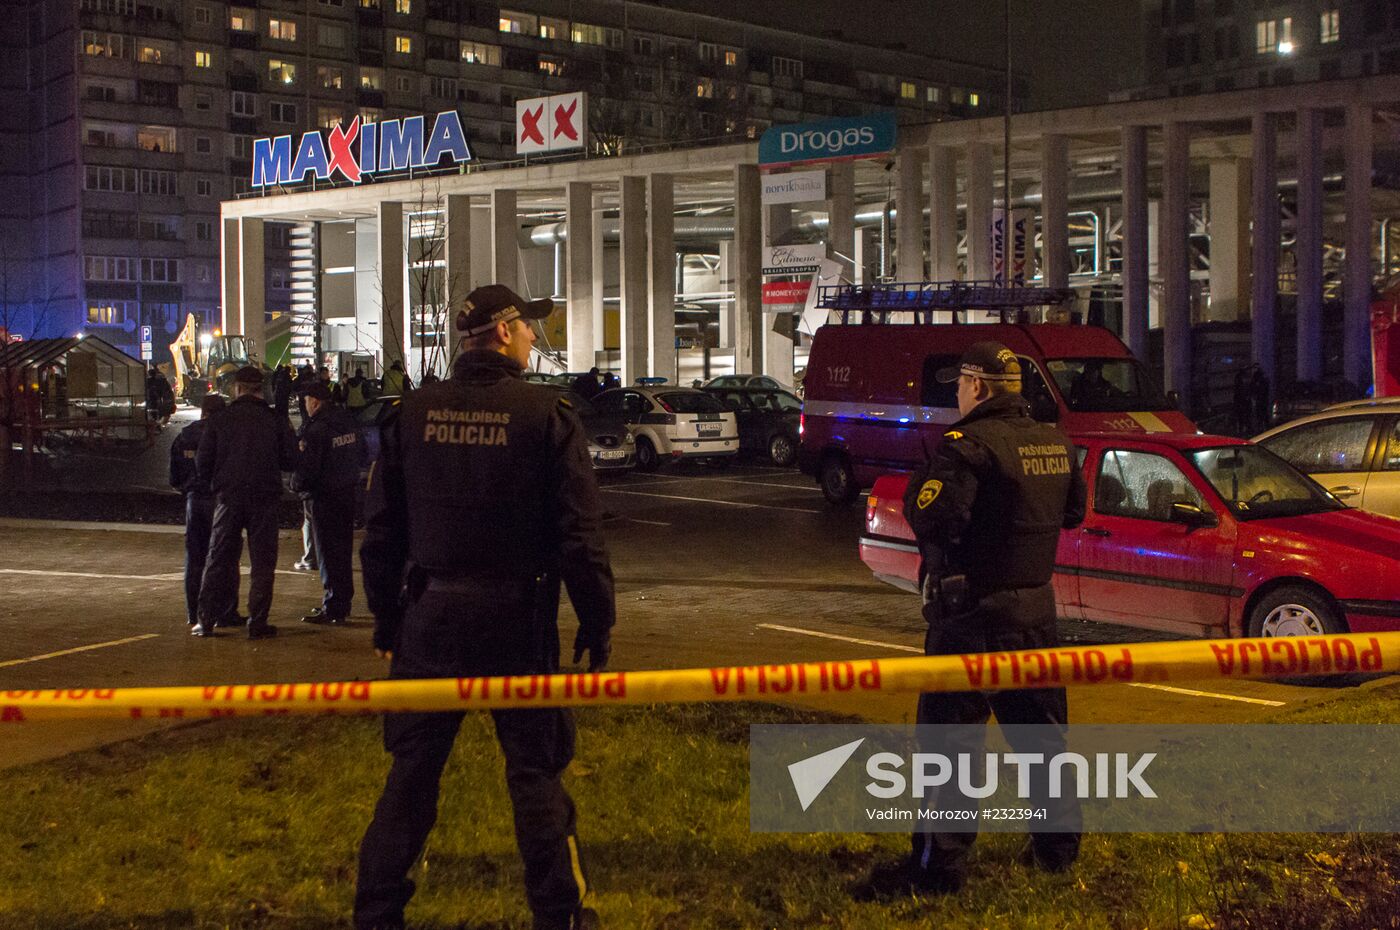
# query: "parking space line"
[[1190, 692], [647, 522], [1209, 694], [844, 639], [706, 500], [168, 576], [764, 484], [68, 652]]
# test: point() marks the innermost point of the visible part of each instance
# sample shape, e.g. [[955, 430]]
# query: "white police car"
[[671, 423]]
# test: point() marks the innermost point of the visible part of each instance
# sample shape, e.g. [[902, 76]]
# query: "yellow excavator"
[[205, 362]]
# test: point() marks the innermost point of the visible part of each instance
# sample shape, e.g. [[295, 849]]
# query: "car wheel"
[[838, 484], [647, 459], [782, 450], [1294, 610]]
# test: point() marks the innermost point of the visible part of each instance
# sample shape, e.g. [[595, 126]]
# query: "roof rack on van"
[[923, 298]]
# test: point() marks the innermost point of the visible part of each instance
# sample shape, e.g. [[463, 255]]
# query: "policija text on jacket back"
[[481, 501]]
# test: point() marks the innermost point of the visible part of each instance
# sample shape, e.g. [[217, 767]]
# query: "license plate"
[[709, 429], [612, 455]]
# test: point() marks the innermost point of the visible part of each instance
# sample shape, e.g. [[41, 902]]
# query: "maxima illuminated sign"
[[358, 150]]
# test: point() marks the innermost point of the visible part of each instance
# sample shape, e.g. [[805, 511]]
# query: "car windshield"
[[691, 402], [1256, 484], [581, 406], [1105, 385]]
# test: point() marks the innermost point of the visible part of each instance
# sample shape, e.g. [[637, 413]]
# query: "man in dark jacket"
[[327, 470], [282, 390], [483, 456], [199, 501], [987, 510], [242, 453]]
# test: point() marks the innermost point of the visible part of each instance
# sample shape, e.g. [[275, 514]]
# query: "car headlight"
[[628, 439]]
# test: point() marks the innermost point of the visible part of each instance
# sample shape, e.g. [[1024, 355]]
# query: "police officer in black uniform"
[[242, 453], [987, 510], [327, 471], [199, 500], [481, 501]]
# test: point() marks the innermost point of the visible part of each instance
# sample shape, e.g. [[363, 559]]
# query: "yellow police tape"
[[1194, 660]]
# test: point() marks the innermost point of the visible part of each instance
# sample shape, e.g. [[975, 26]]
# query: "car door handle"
[[1096, 531], [1344, 490]]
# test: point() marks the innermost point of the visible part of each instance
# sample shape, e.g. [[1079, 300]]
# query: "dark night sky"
[[1072, 51]]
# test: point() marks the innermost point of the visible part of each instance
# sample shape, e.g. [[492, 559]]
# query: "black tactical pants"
[[333, 534], [218, 596], [458, 634], [1001, 622], [199, 522]]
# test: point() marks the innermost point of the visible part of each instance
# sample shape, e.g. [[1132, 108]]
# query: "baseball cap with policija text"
[[495, 303], [990, 361]]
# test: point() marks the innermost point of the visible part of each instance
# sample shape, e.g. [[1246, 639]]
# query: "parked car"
[[1352, 449], [769, 421], [370, 418], [672, 423], [873, 404], [756, 381], [1303, 398], [1196, 534], [611, 446], [562, 379]]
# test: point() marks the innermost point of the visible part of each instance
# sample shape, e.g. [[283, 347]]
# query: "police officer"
[[481, 500], [987, 510], [327, 470], [199, 500], [241, 454]]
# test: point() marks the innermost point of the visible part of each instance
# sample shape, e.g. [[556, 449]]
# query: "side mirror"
[[1044, 409], [1191, 515], [1174, 398]]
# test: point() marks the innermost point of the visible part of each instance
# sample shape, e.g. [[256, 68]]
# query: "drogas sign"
[[829, 140], [358, 150]]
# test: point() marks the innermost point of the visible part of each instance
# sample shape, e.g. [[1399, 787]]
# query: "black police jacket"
[[331, 453], [484, 476], [184, 476], [994, 496], [243, 451]]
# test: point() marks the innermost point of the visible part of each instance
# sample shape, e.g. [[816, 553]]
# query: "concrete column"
[[661, 276], [578, 212], [748, 259], [1229, 239], [393, 321], [457, 254], [909, 215], [979, 211], [867, 254], [252, 286], [600, 275], [1054, 210], [505, 239], [1308, 247], [726, 283], [1357, 277], [1135, 252], [635, 312], [841, 213], [1265, 247], [231, 277], [1175, 260], [942, 212]]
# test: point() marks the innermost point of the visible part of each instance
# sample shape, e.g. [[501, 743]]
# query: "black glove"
[[598, 645], [386, 633]]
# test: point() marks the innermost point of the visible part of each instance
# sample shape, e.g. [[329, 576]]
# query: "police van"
[[873, 404]]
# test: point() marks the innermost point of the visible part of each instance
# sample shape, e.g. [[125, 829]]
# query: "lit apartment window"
[[552, 28], [371, 114], [106, 312], [551, 67], [519, 23], [241, 19], [974, 99], [281, 72], [403, 6], [283, 30], [731, 58], [106, 45], [403, 45], [478, 53], [1269, 35], [328, 117], [705, 88], [371, 79], [156, 138], [934, 95], [369, 4], [331, 78], [908, 90], [203, 59], [596, 35], [1331, 29], [153, 53]]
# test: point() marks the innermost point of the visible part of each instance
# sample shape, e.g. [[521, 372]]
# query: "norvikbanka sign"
[[829, 140], [358, 150]]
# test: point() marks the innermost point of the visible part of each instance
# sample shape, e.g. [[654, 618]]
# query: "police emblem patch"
[[929, 493], [952, 434]]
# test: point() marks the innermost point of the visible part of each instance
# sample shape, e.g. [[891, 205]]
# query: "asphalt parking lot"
[[743, 565]]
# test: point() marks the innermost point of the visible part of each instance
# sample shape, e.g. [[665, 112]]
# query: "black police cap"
[[495, 303], [988, 360]]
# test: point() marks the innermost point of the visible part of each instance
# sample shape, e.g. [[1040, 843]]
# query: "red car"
[[1194, 534]]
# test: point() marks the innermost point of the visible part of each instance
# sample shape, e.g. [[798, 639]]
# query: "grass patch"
[[255, 824]]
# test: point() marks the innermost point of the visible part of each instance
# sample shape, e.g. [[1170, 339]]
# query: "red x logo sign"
[[564, 121], [341, 155], [530, 125]]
